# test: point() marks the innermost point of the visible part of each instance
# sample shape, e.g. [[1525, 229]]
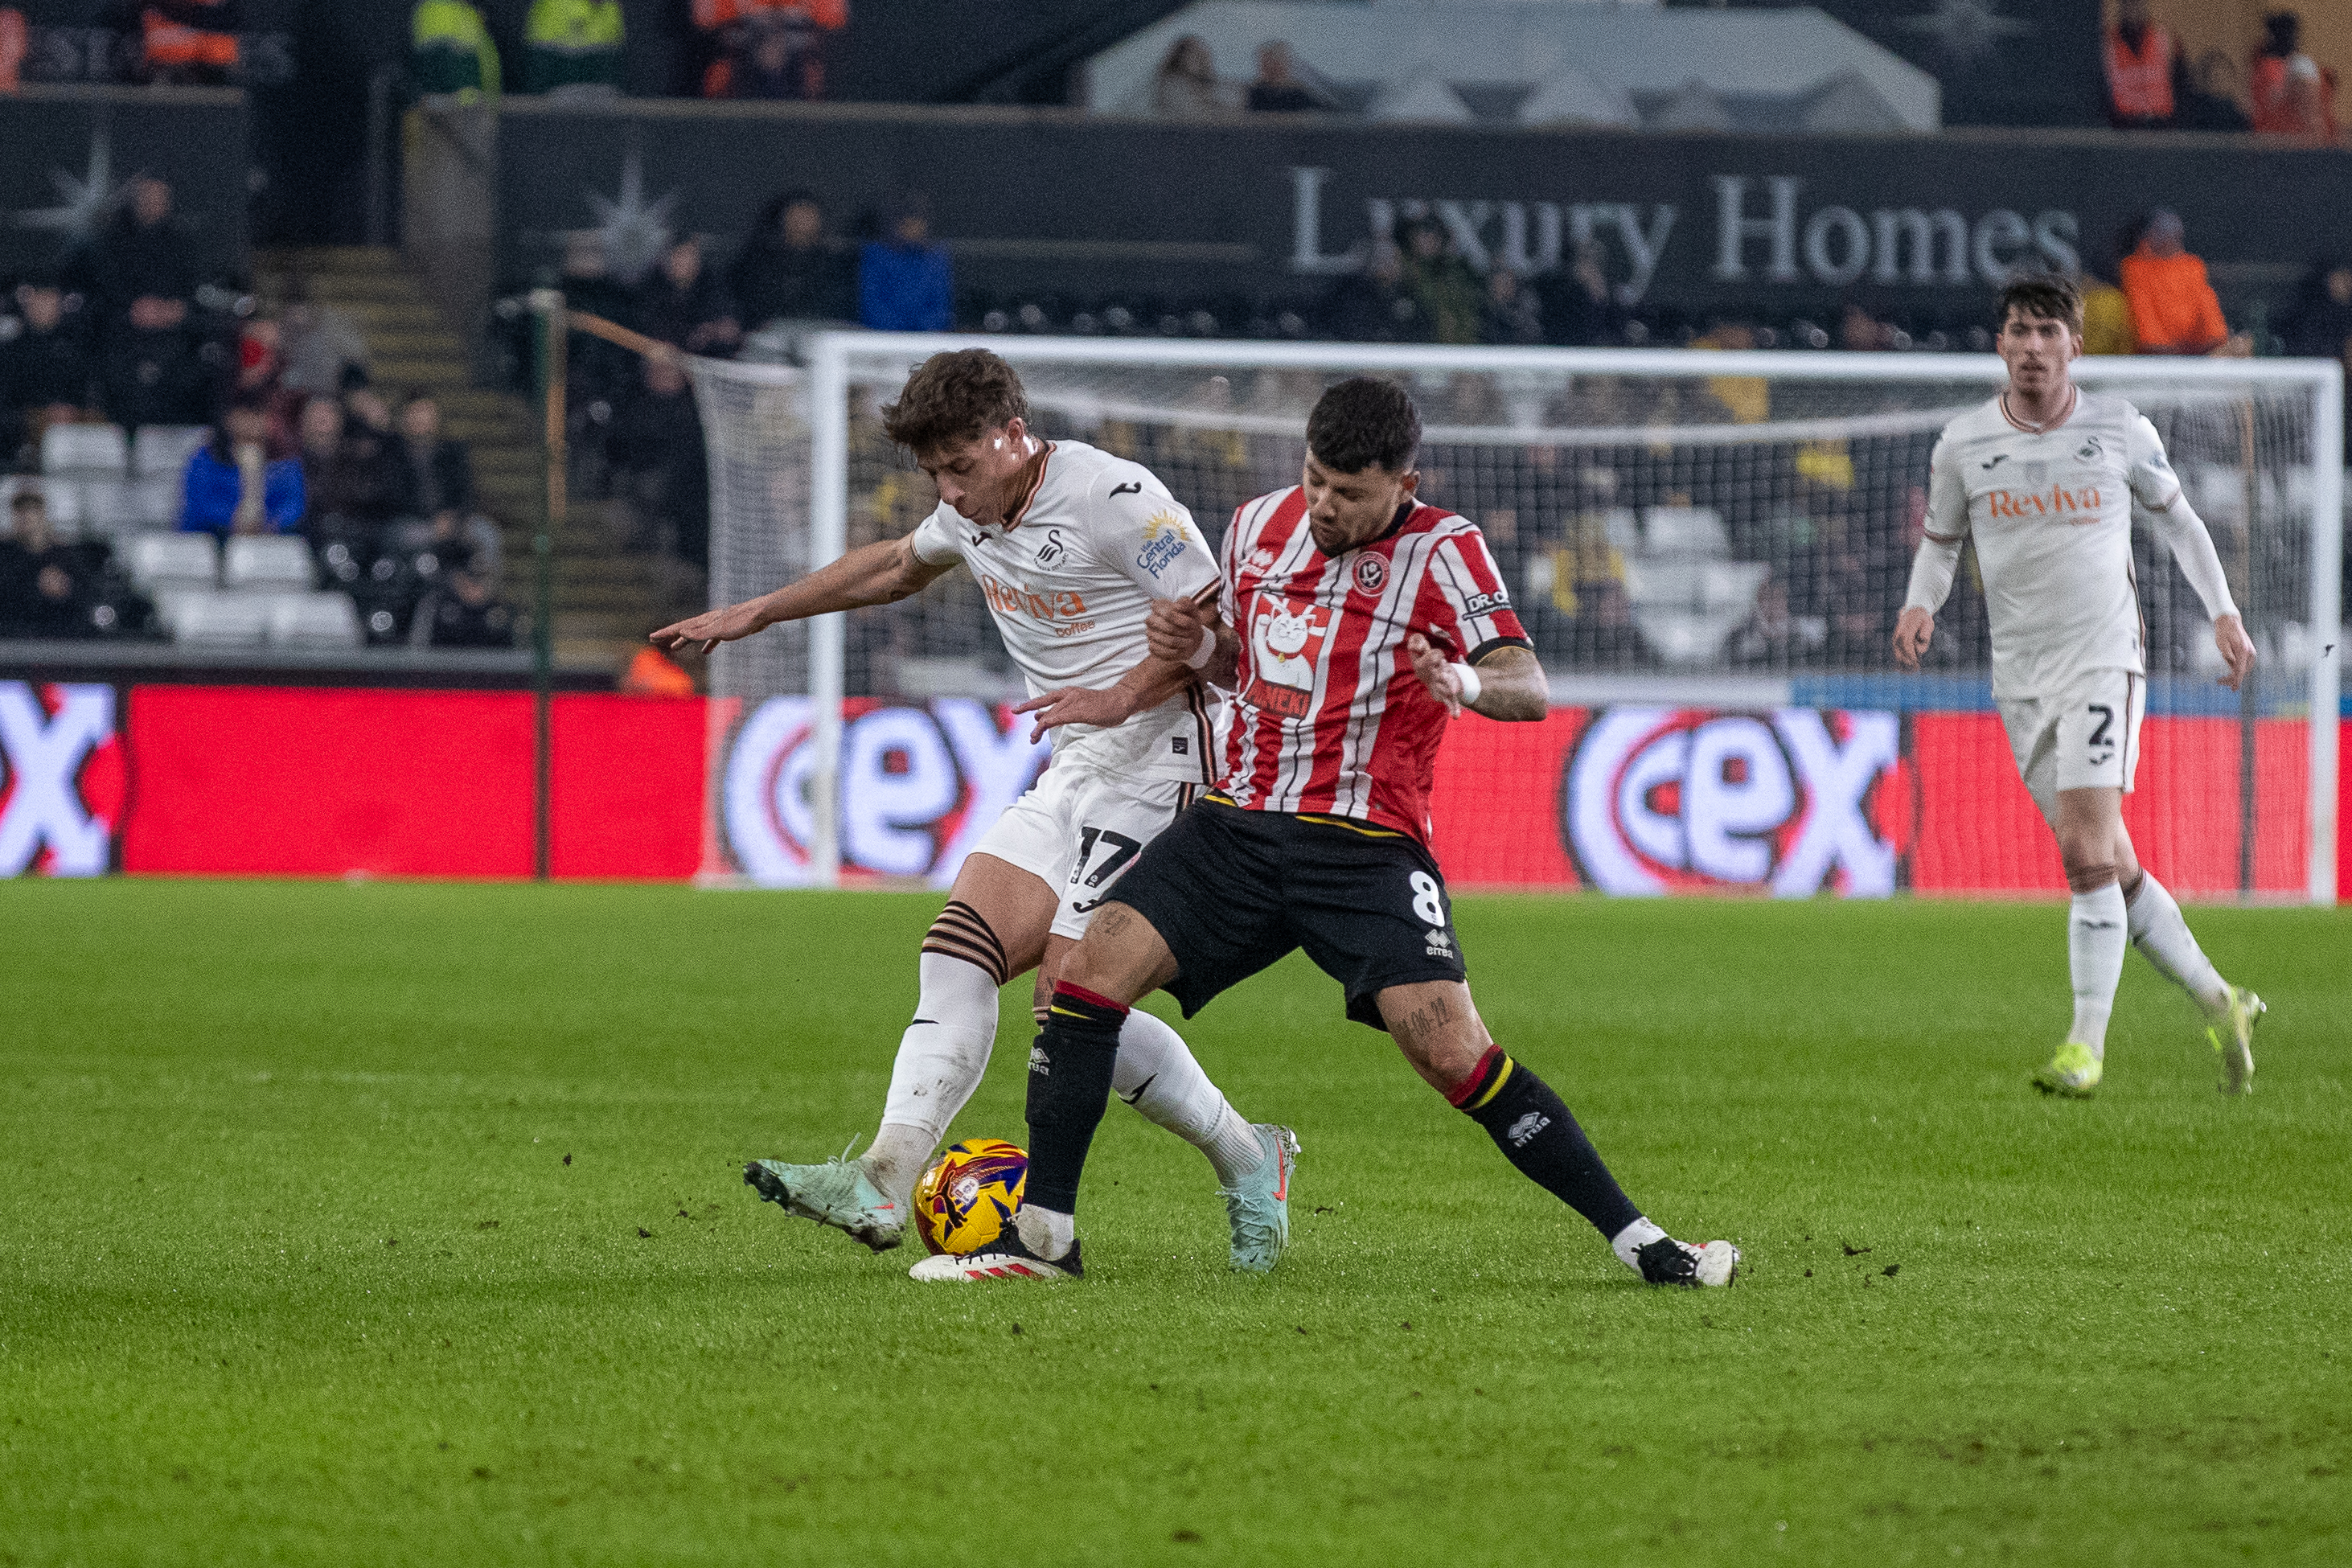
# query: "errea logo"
[[1527, 1127]]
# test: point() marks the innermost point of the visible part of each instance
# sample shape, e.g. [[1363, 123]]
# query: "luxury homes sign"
[[1052, 200]]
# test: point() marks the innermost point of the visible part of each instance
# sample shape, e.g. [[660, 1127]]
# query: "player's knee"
[[962, 933]]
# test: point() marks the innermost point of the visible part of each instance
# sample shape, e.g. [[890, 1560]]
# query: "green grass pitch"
[[392, 1224]]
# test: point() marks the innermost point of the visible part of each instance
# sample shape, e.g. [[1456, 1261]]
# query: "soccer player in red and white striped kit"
[[1354, 622]]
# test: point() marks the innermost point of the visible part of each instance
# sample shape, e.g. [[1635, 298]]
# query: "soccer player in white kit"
[[2043, 478], [1071, 546]]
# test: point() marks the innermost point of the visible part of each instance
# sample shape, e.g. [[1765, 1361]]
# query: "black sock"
[[1531, 1126], [1069, 1085]]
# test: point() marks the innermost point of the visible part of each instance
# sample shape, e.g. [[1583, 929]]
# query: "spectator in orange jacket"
[[2174, 309], [2293, 95], [2140, 56]]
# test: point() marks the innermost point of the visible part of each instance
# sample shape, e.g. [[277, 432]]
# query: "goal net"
[[1709, 552]]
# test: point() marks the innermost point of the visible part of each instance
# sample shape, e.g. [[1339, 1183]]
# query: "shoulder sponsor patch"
[[1164, 538], [1486, 604]]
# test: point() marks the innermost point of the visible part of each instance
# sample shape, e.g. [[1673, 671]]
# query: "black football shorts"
[[1232, 891]]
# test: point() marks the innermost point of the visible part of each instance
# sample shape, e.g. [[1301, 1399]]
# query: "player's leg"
[[2157, 929], [2090, 823], [1436, 1025], [1200, 889], [994, 927], [1160, 1077]]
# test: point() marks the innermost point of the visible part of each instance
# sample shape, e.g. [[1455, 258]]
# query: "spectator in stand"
[[154, 373], [1861, 332], [2141, 58], [2208, 99], [2320, 325], [1282, 87], [441, 497], [13, 37], [186, 43], [322, 346], [791, 270], [141, 255], [1185, 86], [683, 305], [659, 464], [765, 48], [905, 281], [1509, 314], [1374, 305], [48, 589], [1443, 282], [450, 50], [45, 371], [1580, 309], [462, 610], [571, 44], [231, 485], [2292, 95], [2106, 310], [2173, 307]]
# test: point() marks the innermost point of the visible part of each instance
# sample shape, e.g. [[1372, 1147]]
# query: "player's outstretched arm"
[[1144, 688], [1508, 683], [881, 572]]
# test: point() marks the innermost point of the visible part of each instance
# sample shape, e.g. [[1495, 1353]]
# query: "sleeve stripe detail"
[[1491, 644]]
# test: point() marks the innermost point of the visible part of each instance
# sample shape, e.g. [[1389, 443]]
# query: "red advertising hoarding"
[[255, 781]]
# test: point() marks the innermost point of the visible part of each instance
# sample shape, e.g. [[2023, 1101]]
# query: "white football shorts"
[[2087, 737], [1080, 830]]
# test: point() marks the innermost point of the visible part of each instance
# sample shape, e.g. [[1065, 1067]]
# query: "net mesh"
[[1684, 549]]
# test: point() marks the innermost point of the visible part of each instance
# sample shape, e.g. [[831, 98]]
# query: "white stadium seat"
[[212, 619], [113, 506], [313, 620], [165, 561], [1684, 530], [267, 561], [85, 449], [64, 501], [159, 451]]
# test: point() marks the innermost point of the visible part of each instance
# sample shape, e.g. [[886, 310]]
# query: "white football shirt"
[[2050, 514], [1070, 581]]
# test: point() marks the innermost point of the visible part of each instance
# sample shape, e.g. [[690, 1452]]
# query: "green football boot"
[[2232, 1035], [837, 1193], [1258, 1205], [2072, 1072]]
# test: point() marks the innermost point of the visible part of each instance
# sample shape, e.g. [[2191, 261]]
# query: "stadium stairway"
[[606, 596]]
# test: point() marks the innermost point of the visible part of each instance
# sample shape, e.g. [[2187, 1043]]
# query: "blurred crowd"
[[286, 434]]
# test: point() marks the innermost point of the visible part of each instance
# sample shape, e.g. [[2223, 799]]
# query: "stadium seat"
[[114, 506], [86, 449], [267, 561], [208, 617], [1684, 530], [64, 501], [162, 451], [313, 621], [162, 562]]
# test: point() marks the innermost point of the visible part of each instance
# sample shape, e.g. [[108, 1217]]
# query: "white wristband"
[[1206, 651], [1471, 684]]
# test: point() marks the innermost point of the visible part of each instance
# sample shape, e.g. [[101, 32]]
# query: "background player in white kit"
[[1071, 545], [2043, 476]]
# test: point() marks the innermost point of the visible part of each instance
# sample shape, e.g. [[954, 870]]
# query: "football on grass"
[[964, 1201]]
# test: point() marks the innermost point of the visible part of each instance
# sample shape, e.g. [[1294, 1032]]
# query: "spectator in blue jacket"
[[233, 486], [904, 282]]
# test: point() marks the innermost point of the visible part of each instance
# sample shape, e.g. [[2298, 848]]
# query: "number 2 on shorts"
[[2099, 745], [1427, 903]]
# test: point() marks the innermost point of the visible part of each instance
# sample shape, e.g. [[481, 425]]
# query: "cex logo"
[[1660, 800], [61, 779], [2057, 501]]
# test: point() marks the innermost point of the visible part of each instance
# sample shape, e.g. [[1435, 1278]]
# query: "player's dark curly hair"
[[951, 398], [2046, 295], [1364, 422]]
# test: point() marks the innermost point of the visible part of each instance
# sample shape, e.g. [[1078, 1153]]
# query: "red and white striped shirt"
[[1330, 719]]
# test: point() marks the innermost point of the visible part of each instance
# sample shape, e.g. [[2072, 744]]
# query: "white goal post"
[[1745, 506]]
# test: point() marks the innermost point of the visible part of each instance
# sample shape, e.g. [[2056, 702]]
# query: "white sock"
[[2096, 939], [941, 1058], [1631, 1240], [1048, 1233], [1158, 1074], [2159, 932]]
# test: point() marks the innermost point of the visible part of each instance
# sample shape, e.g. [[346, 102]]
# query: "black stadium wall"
[[1054, 200], [63, 141]]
